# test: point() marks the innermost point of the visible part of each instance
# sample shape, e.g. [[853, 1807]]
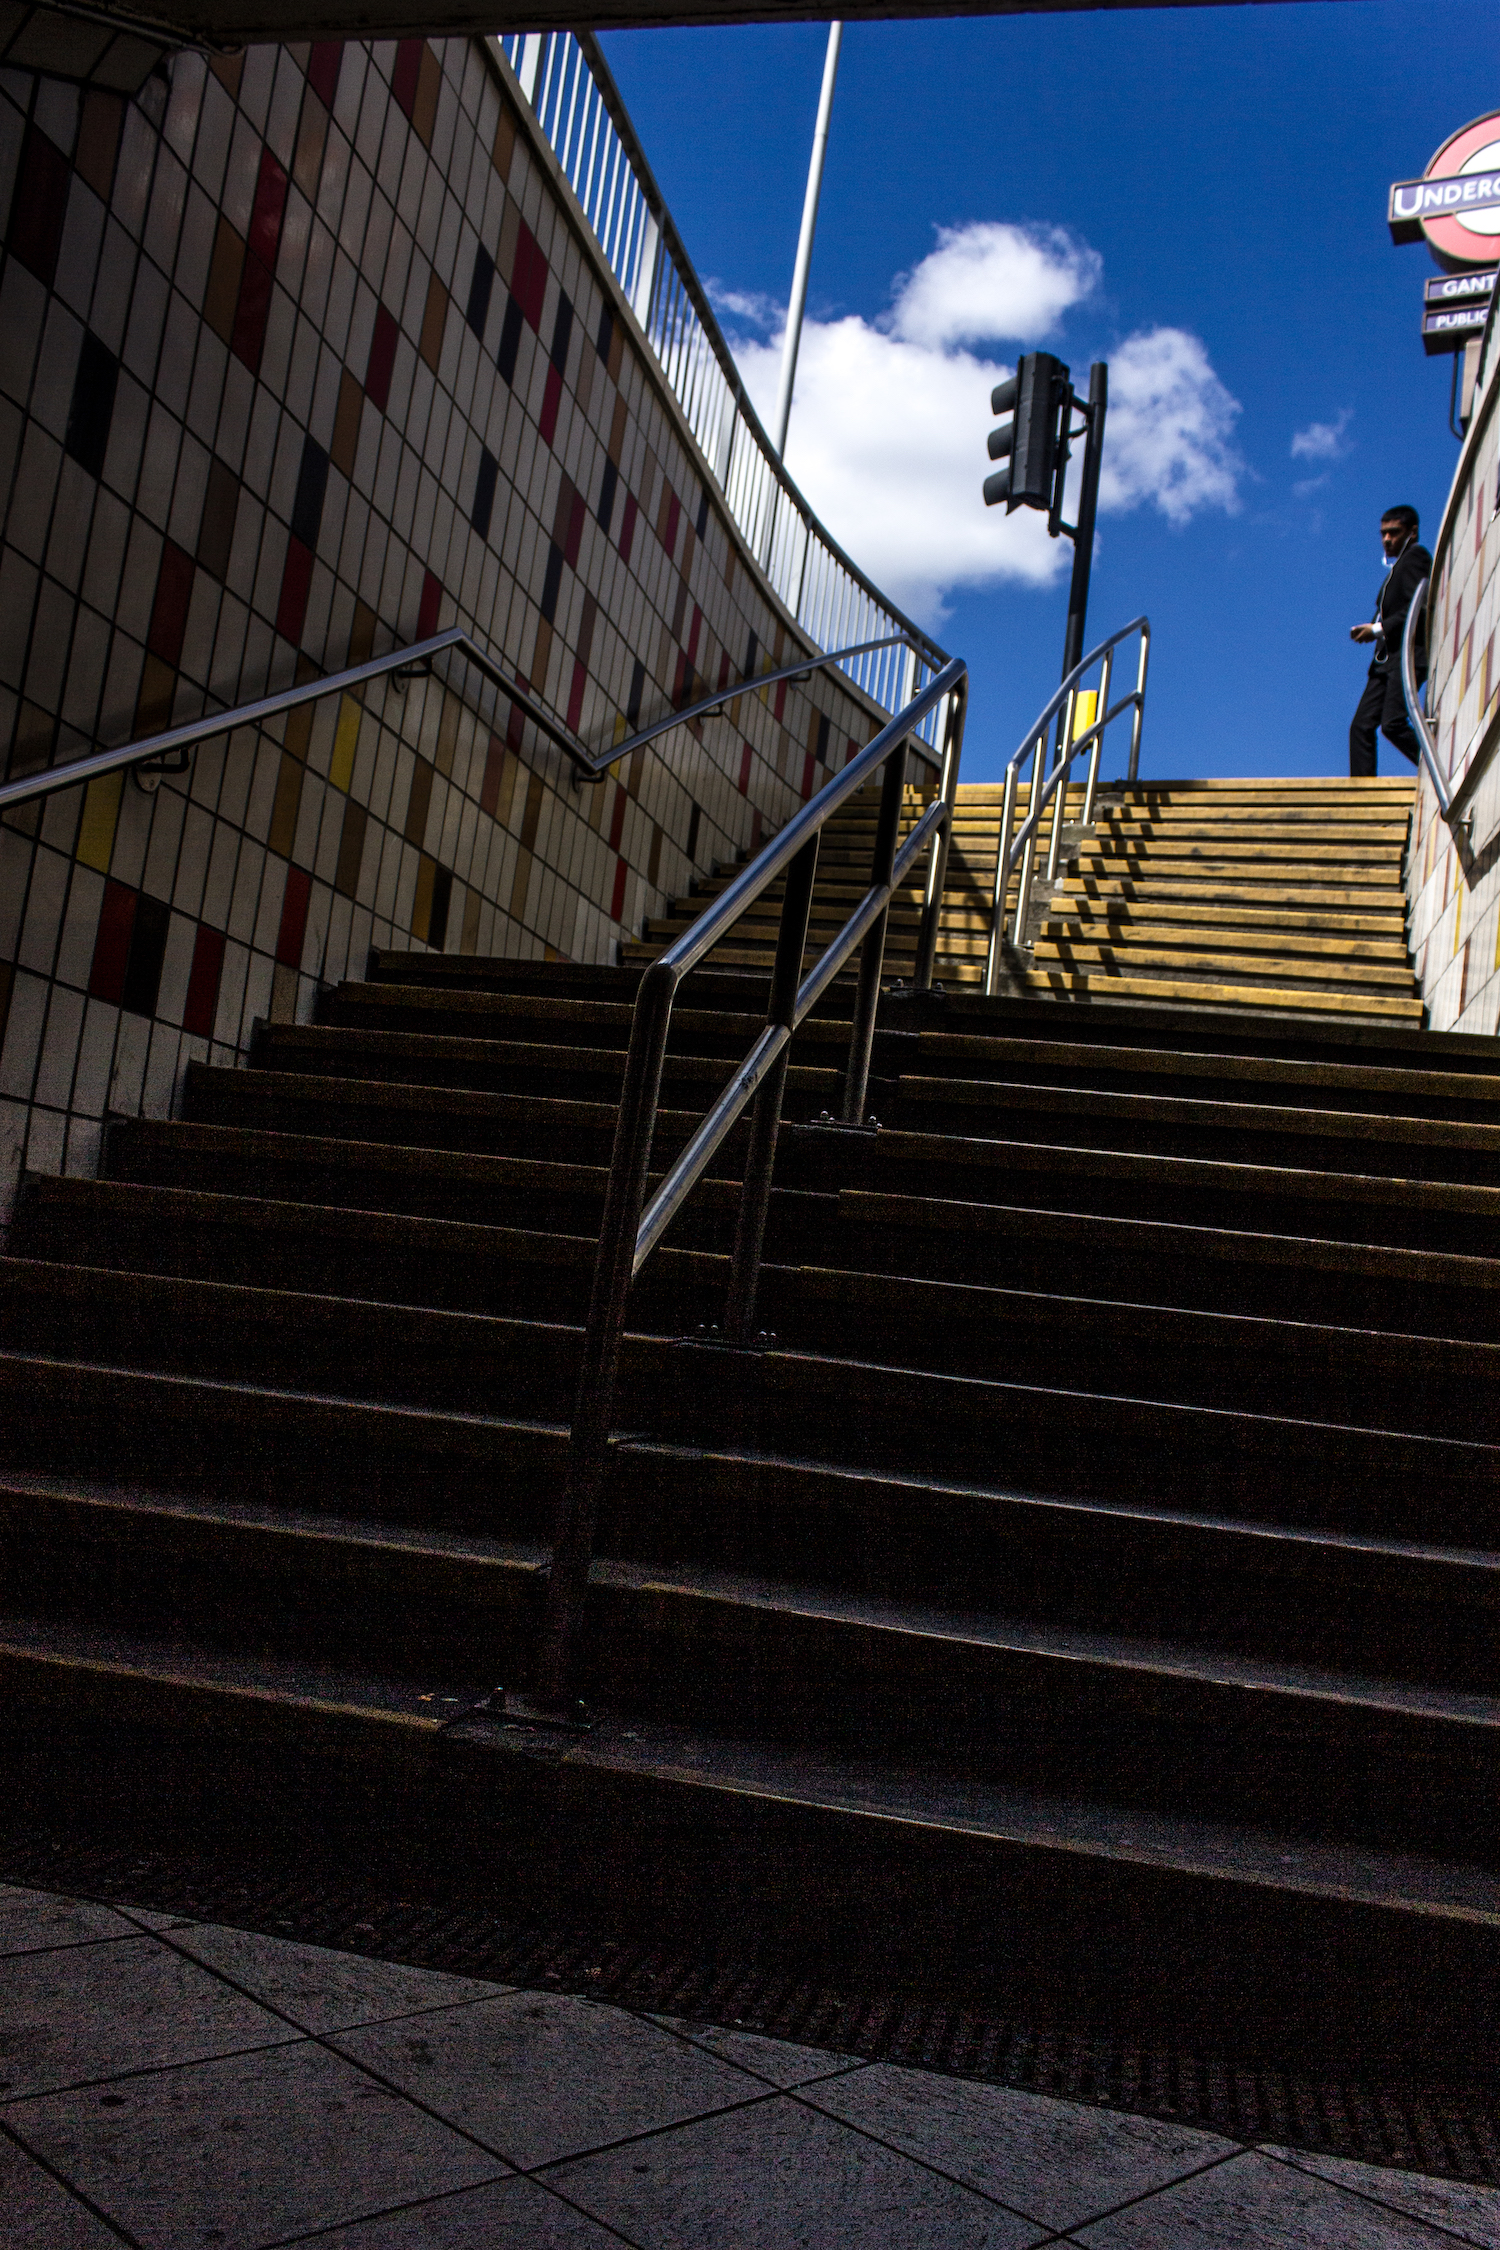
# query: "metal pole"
[[588, 1453], [1097, 748], [1088, 502], [1029, 854], [871, 960], [1002, 880], [1140, 704], [805, 239], [937, 865], [765, 1121]]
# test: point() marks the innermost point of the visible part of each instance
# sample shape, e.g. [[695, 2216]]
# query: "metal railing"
[[566, 80], [1068, 706], [153, 751], [1455, 804], [629, 1233]]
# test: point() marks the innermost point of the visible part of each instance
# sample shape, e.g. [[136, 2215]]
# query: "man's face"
[[1394, 535]]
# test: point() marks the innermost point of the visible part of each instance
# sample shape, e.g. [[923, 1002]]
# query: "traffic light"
[[1032, 445]]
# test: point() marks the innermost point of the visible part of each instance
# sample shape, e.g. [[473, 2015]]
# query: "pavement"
[[176, 2085]]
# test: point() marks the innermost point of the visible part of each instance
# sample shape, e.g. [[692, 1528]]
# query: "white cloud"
[[990, 280], [1323, 441], [1167, 434], [890, 417]]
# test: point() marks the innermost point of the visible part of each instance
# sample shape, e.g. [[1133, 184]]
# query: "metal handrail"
[[1021, 849], [1412, 692], [628, 1233], [1454, 805], [417, 656]]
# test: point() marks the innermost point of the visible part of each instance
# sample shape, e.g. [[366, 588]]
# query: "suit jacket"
[[1400, 582]]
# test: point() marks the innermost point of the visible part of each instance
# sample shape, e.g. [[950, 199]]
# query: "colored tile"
[[101, 810]]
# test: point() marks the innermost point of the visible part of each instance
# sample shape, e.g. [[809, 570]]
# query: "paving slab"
[[539, 2076], [1057, 2162], [38, 1921], [91, 2011], [514, 2212], [320, 1989], [246, 2150], [1467, 2210], [37, 2214], [780, 2062], [1254, 2203], [781, 2176]]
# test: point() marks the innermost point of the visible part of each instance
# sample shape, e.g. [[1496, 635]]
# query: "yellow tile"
[[101, 809], [341, 765], [1458, 918]]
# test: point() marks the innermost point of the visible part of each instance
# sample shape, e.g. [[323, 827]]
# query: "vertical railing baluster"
[[872, 955], [765, 1117]]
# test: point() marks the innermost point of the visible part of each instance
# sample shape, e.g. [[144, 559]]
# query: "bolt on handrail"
[[628, 1232], [414, 657], [1022, 849]]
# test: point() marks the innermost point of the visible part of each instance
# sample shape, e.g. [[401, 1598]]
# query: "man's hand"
[[1363, 633]]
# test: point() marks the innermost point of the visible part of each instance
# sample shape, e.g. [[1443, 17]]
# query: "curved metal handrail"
[[1412, 693], [414, 657], [1018, 850], [628, 1232]]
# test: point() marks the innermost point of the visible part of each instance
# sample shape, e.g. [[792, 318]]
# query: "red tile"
[[575, 698], [427, 615], [551, 401], [251, 313], [296, 578], [724, 669], [745, 756], [696, 629], [617, 902], [780, 704], [293, 918], [202, 1003], [528, 275], [267, 211], [174, 586], [382, 359], [807, 775], [323, 66], [407, 73], [627, 525], [112, 944], [674, 517]]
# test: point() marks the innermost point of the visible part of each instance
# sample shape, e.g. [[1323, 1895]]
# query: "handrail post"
[[1002, 883], [1028, 856], [765, 1120], [872, 956], [1097, 748], [1060, 793], [1140, 705], [599, 1361], [937, 865]]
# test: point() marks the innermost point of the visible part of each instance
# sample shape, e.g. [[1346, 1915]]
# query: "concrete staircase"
[[1255, 894], [1093, 1580]]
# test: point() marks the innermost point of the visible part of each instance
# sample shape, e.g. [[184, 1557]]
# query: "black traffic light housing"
[[1034, 444]]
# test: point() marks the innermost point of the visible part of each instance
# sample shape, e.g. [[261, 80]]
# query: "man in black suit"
[[1383, 704]]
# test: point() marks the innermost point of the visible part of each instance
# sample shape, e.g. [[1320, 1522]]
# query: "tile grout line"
[[44, 2165], [1447, 2233]]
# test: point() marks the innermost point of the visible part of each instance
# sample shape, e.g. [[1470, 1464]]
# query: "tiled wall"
[[1454, 893], [303, 357]]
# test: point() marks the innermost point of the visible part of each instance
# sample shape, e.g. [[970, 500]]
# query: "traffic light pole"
[[1088, 501]]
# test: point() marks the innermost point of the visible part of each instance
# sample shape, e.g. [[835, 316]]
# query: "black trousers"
[[1382, 709]]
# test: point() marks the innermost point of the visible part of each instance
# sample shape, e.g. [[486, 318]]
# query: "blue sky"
[[1216, 174]]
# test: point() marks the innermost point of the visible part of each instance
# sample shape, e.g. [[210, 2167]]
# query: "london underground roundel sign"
[[1456, 203]]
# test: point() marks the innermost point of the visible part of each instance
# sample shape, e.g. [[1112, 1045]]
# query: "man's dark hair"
[[1401, 515]]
